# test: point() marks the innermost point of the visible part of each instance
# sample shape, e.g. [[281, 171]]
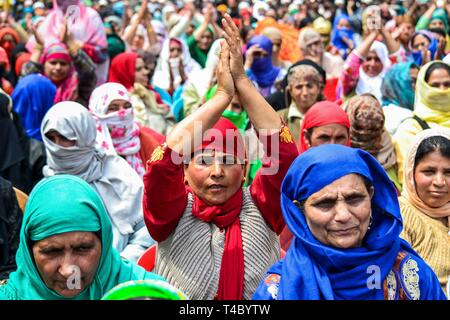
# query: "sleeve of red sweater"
[[280, 152], [165, 195]]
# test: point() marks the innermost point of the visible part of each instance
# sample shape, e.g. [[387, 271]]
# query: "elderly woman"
[[431, 108], [117, 130], [344, 214], [365, 68], [69, 133], [425, 201], [130, 70], [216, 238], [312, 48], [367, 132], [324, 123], [305, 83], [65, 250]]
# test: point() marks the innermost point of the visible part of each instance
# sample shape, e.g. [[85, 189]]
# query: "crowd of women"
[[225, 150]]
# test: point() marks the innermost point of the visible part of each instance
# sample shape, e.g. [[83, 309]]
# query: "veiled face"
[[339, 214]]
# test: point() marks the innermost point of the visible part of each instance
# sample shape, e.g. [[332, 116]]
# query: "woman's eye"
[[84, 248], [355, 200], [325, 205]]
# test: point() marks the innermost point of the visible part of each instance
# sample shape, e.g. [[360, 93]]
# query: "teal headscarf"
[[441, 14], [60, 204], [396, 87]]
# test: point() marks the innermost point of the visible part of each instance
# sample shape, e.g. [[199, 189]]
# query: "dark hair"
[[436, 66], [431, 144]]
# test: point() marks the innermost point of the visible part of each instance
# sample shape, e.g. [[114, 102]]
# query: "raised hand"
[[37, 35], [225, 83], [233, 40]]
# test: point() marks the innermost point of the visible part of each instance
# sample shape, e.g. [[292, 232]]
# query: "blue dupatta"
[[312, 270]]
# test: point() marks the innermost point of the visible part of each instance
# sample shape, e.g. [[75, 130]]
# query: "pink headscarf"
[[67, 90], [84, 23]]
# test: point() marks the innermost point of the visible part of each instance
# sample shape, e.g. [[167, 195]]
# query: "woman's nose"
[[217, 169]]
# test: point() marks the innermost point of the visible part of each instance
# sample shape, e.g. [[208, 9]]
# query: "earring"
[[370, 222]]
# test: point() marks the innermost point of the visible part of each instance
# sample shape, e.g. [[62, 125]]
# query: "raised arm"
[[183, 134], [280, 149], [262, 115]]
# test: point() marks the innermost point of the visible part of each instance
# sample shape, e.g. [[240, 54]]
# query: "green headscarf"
[[441, 14], [196, 53], [240, 120], [145, 289], [60, 204]]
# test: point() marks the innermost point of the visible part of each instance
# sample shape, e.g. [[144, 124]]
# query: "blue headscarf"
[[397, 88], [32, 97], [338, 34], [433, 46], [262, 70], [312, 270]]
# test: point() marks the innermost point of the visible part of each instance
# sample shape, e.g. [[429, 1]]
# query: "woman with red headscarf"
[[130, 70], [324, 123], [216, 238]]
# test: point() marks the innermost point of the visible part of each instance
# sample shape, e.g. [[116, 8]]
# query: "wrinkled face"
[[205, 41], [214, 176], [276, 44], [436, 23], [59, 139], [329, 134], [175, 50], [339, 214], [432, 179], [305, 94], [315, 48], [117, 105], [420, 43], [141, 72], [57, 70], [68, 262], [407, 31], [372, 66], [439, 78]]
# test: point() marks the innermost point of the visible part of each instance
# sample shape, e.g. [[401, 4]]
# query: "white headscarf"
[[201, 78], [119, 186], [162, 73], [259, 5], [117, 132], [372, 85]]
